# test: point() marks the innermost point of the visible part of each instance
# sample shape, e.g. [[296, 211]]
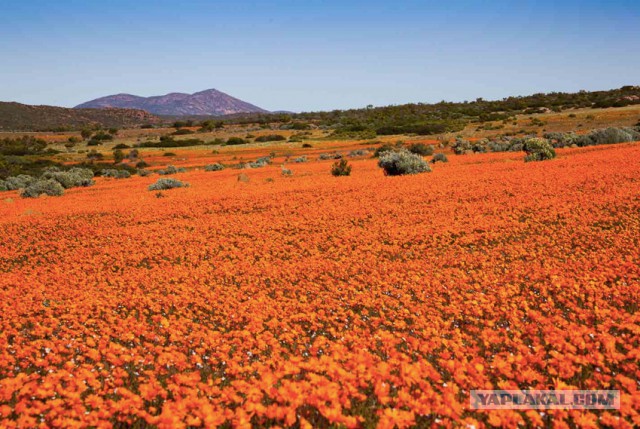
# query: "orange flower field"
[[320, 301]]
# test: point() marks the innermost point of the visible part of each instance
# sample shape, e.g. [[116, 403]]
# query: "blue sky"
[[307, 55]]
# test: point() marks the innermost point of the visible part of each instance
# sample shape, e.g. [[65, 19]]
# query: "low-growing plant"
[[439, 157], [461, 146], [235, 141], [171, 170], [538, 149], [341, 168], [421, 149], [116, 174], [387, 147], [167, 183], [75, 177], [300, 159], [358, 152], [325, 156], [270, 138], [48, 187], [285, 171], [307, 145], [396, 163], [18, 182], [214, 167], [144, 173]]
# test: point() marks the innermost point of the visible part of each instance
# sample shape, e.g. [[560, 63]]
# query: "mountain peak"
[[210, 102]]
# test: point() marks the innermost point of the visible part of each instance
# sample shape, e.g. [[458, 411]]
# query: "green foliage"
[[26, 145], [21, 181], [461, 146], [86, 133], [538, 150], [235, 141], [94, 155], [341, 168], [118, 156], [121, 146], [75, 177], [167, 183], [168, 141], [396, 163], [116, 174], [387, 147], [307, 145], [39, 187], [210, 125], [270, 138], [421, 149]]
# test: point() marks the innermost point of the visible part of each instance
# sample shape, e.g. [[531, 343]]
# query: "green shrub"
[[167, 183], [3, 186], [171, 170], [439, 157], [75, 177], [214, 167], [461, 146], [341, 168], [307, 145], [169, 154], [387, 147], [285, 171], [325, 156], [421, 149], [402, 162], [43, 187], [300, 159], [538, 150], [270, 138], [235, 141], [358, 152], [19, 182], [613, 135], [116, 174], [121, 146], [144, 173], [141, 164]]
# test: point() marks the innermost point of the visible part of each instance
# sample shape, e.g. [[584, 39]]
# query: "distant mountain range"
[[205, 103]]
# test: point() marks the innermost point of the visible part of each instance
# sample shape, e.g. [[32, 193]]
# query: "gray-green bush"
[[116, 174], [402, 162], [439, 157], [167, 183], [43, 187], [20, 181], [171, 170], [538, 149], [214, 167]]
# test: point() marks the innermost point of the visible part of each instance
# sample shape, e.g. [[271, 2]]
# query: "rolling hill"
[[23, 117]]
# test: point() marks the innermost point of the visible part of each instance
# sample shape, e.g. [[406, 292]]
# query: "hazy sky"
[[315, 55]]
